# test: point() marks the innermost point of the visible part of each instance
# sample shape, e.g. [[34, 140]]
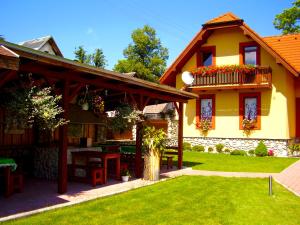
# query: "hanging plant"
[[119, 123], [213, 70], [98, 104], [29, 106], [204, 125], [249, 124], [135, 116], [84, 99]]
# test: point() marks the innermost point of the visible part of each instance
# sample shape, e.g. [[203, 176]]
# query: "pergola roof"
[[33, 61]]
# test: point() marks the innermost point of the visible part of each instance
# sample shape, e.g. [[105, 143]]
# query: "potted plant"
[[154, 145], [125, 174]]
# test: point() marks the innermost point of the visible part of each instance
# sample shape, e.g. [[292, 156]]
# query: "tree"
[[288, 20], [145, 55], [1, 38], [81, 55], [96, 59]]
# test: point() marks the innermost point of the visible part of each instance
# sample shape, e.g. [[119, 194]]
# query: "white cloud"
[[90, 30]]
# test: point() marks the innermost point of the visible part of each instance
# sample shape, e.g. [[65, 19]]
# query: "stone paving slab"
[[290, 178]]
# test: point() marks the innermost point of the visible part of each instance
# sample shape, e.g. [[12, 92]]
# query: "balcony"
[[232, 78]]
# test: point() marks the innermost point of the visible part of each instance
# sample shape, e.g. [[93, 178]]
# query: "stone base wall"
[[46, 162], [172, 129], [279, 146]]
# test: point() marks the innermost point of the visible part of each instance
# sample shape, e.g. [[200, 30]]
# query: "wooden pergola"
[[69, 77]]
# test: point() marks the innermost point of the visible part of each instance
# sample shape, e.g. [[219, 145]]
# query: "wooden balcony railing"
[[261, 77]]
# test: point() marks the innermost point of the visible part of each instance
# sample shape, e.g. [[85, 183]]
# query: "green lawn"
[[184, 200], [224, 162]]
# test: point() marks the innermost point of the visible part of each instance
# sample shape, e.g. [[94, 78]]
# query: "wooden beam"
[[176, 107], [138, 150], [6, 77], [74, 92], [180, 134], [146, 101], [98, 81], [63, 143]]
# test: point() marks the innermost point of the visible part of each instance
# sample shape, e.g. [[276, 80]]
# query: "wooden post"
[[180, 134], [63, 143], [138, 150]]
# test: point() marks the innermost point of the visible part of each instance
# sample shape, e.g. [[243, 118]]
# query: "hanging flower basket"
[[204, 125], [85, 106], [228, 69], [98, 104], [249, 124]]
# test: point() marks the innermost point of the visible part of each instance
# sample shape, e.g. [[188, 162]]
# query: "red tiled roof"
[[288, 46], [227, 17], [286, 49]]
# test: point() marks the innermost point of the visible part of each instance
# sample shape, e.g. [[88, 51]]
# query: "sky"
[[108, 24]]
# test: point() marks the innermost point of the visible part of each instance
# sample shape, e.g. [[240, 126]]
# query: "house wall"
[[277, 104], [47, 48]]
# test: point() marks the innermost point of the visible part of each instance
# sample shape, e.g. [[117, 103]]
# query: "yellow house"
[[248, 86]]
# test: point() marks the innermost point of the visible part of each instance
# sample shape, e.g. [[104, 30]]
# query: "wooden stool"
[[15, 183], [97, 176], [169, 162]]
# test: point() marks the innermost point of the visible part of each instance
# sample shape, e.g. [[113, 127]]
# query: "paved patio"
[[290, 178], [41, 195]]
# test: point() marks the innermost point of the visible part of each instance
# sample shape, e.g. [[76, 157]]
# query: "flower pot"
[[85, 106], [125, 178]]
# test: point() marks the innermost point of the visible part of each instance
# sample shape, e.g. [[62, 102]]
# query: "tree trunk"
[[152, 165]]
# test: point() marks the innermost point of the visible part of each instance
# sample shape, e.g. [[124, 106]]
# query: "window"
[[250, 108], [205, 109], [249, 53], [206, 56]]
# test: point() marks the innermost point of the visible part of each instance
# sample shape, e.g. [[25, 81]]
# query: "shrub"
[[238, 152], [294, 148], [251, 152], [219, 147], [187, 146], [261, 149], [270, 152], [210, 149], [227, 150], [198, 148]]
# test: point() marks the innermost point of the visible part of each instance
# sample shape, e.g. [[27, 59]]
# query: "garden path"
[[290, 178]]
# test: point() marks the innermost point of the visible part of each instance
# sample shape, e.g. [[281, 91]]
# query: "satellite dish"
[[187, 78]]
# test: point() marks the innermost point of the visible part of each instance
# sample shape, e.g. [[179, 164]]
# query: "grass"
[[224, 162], [184, 200]]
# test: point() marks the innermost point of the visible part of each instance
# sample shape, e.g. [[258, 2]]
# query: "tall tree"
[[81, 55], [96, 59], [288, 20], [145, 55]]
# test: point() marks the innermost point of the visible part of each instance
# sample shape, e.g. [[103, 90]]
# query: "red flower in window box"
[[228, 69]]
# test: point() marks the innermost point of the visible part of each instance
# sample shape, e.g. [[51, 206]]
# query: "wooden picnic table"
[[104, 156]]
